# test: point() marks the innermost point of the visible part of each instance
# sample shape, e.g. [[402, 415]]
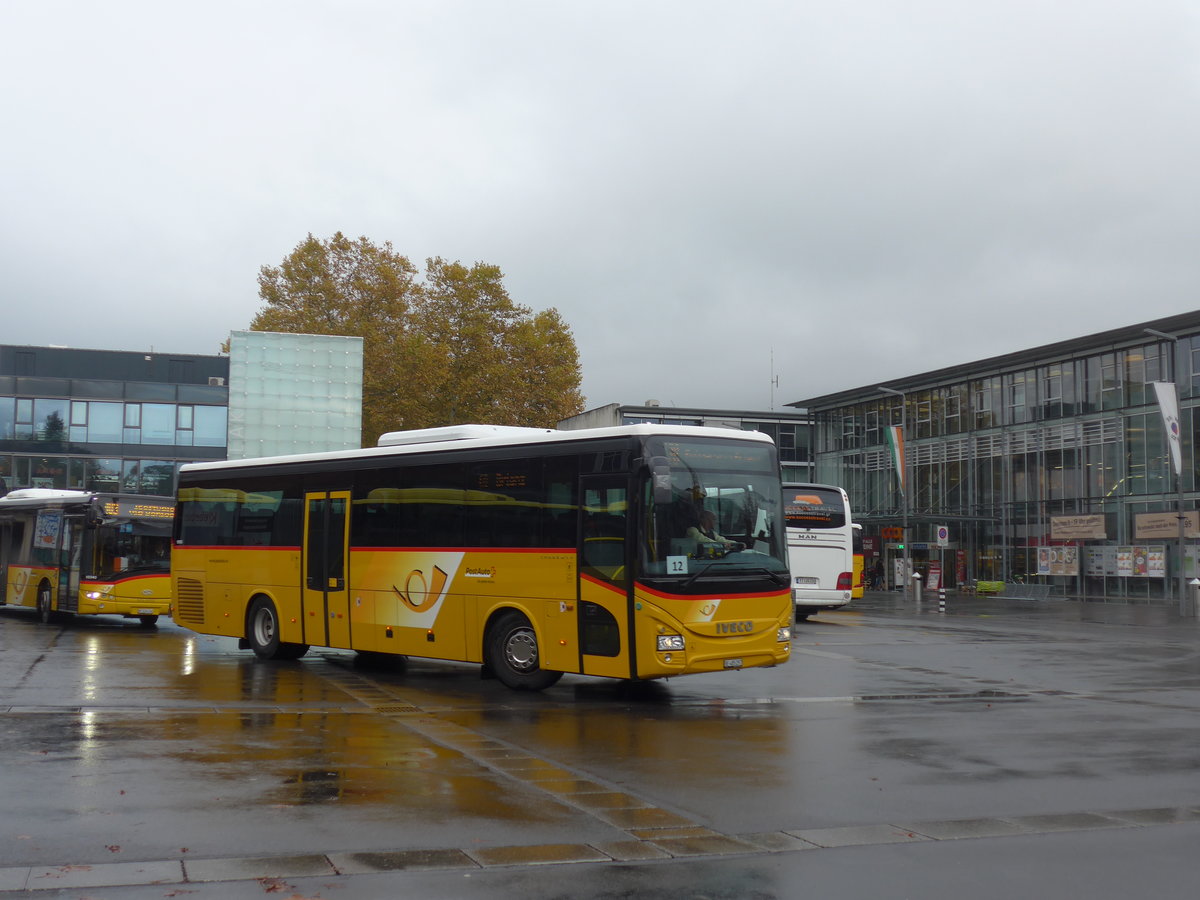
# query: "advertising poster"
[[1058, 561], [1156, 562], [935, 576], [1124, 562], [1138, 562], [1141, 562], [47, 528], [1148, 526], [1078, 528]]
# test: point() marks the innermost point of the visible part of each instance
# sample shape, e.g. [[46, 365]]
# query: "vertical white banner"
[[895, 438], [1169, 404]]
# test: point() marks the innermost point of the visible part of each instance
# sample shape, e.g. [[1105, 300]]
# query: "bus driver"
[[706, 533]]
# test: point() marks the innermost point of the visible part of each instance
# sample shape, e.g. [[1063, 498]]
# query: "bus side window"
[[604, 533]]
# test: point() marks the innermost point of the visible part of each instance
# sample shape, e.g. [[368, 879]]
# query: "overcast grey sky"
[[865, 189]]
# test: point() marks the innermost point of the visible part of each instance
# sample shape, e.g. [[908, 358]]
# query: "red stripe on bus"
[[703, 597], [570, 550]]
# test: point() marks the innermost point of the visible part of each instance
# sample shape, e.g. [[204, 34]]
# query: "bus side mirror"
[[95, 513], [660, 473]]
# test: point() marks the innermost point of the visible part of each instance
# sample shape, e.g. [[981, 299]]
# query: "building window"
[[985, 402], [8, 420], [923, 407], [1111, 394], [1191, 348], [851, 432], [158, 423], [872, 434], [104, 423], [103, 475], [953, 408], [50, 420], [1052, 391], [787, 443], [23, 430], [210, 426], [1020, 395]]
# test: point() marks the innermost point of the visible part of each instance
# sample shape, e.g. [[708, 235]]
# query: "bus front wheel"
[[512, 654], [43, 604], [262, 630]]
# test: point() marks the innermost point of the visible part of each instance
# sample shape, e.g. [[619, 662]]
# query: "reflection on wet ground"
[[173, 743]]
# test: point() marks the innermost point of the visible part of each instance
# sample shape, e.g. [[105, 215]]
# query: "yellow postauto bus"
[[84, 553], [532, 552]]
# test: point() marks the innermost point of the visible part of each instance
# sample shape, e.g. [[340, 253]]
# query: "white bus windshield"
[[814, 507]]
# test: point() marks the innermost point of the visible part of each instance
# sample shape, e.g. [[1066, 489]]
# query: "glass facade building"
[[108, 420], [791, 431], [1049, 466], [294, 393]]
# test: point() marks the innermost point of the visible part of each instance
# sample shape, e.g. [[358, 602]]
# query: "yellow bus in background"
[[858, 585], [84, 553], [529, 551]]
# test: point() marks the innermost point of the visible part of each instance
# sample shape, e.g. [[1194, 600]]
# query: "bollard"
[[941, 600], [916, 581]]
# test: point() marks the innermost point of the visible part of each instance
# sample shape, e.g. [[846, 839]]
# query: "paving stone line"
[[662, 844]]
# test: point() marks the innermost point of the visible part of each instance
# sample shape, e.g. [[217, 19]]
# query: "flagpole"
[[902, 473], [1175, 451]]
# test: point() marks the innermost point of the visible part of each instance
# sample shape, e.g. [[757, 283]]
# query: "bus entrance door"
[[68, 573], [604, 582], [326, 596]]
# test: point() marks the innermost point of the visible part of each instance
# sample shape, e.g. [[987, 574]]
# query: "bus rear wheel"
[[513, 656], [262, 631]]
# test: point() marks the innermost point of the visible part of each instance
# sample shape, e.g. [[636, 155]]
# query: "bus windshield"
[[810, 506], [131, 546], [713, 511]]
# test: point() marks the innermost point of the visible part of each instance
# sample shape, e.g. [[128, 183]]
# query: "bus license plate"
[[733, 663], [145, 612], [801, 579]]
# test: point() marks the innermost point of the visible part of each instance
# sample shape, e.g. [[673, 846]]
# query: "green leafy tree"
[[449, 349]]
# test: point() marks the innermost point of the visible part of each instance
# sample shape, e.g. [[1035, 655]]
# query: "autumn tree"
[[450, 348]]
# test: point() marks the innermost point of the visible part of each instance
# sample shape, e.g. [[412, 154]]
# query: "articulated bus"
[[820, 547], [83, 553], [532, 552]]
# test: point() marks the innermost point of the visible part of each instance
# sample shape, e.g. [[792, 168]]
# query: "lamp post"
[[903, 475], [1180, 515]]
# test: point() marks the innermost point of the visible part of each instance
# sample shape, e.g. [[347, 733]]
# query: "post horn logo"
[[418, 595]]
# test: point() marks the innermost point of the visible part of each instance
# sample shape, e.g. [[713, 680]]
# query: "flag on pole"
[[1168, 403], [895, 439]]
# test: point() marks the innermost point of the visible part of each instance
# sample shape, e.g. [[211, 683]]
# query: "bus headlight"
[[670, 642], [94, 595], [783, 634]]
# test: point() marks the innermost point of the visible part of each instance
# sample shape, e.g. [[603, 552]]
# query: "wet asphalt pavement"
[[999, 749]]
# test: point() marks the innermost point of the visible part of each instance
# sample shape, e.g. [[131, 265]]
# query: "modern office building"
[[108, 420], [1050, 465], [791, 431], [125, 421]]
